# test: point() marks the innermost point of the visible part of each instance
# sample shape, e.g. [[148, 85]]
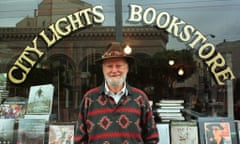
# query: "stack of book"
[[168, 110]]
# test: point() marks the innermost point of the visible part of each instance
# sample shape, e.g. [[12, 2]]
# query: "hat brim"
[[129, 59], [210, 126]]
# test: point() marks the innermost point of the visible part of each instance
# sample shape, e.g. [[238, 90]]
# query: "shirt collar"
[[121, 92]]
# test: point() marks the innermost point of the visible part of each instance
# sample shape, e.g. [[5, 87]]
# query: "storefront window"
[[162, 36]]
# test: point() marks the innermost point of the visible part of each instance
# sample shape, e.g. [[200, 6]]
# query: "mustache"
[[114, 82]]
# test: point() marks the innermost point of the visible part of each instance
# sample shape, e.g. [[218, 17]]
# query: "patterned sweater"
[[101, 121]]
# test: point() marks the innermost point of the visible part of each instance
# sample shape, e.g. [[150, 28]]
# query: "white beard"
[[116, 82]]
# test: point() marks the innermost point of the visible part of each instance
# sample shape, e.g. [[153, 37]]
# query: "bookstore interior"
[[185, 60]]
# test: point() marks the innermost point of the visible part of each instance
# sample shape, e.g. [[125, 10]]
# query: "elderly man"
[[115, 112]]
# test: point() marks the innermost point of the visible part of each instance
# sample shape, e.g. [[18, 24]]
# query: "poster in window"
[[217, 130]]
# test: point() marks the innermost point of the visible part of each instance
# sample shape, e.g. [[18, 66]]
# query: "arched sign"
[[64, 26]]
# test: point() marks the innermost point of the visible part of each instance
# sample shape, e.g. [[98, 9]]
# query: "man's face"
[[115, 71], [217, 132]]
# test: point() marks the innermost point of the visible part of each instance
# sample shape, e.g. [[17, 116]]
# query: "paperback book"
[[13, 111], [217, 130], [31, 131], [184, 132], [61, 133], [168, 110], [237, 123], [7, 131], [13, 108], [164, 133], [40, 102]]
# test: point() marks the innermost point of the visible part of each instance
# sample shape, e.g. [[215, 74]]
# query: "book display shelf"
[[175, 126], [29, 121], [21, 122]]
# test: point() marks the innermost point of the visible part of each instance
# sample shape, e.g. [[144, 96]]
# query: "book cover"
[[164, 135], [6, 131], [31, 131], [217, 130], [184, 132], [237, 122], [40, 99], [13, 108], [13, 111], [62, 133]]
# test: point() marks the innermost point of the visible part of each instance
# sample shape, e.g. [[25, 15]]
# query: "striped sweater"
[[101, 121]]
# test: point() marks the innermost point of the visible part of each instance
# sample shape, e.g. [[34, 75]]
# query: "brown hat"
[[115, 50], [211, 125]]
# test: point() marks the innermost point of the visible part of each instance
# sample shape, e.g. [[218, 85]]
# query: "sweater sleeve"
[[81, 129], [150, 132]]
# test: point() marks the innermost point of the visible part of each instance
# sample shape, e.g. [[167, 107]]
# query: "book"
[[168, 104], [215, 129], [40, 101], [31, 131], [172, 118], [61, 133], [168, 110], [237, 122], [172, 107], [167, 114], [7, 131], [13, 108], [164, 133], [184, 132], [3, 86], [13, 111], [46, 117], [172, 101]]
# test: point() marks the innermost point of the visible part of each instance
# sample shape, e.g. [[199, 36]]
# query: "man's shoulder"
[[137, 90], [92, 91]]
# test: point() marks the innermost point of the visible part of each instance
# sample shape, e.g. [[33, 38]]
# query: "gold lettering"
[[13, 79], [85, 13], [25, 57], [75, 19], [216, 61], [58, 27], [206, 51], [186, 34], [199, 38], [174, 26], [136, 13], [163, 16], [21, 65], [55, 34], [224, 75], [46, 39], [98, 15], [149, 13], [34, 49]]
